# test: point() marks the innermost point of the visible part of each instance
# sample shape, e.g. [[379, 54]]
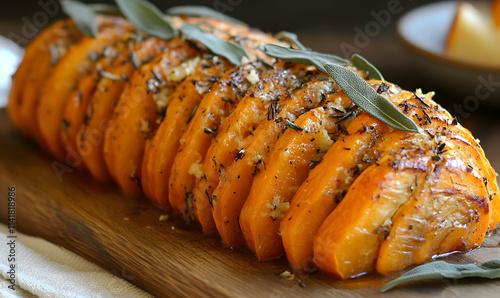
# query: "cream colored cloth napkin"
[[47, 270]]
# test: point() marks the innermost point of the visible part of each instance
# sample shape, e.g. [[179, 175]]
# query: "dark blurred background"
[[322, 25]]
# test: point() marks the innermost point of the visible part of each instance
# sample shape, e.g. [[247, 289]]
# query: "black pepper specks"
[[240, 154]]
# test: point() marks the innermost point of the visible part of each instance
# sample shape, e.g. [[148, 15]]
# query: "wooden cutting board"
[[124, 235]]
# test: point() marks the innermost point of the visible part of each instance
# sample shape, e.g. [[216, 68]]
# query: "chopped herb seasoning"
[[351, 108], [427, 116], [418, 107], [240, 154], [157, 76], [135, 60], [93, 56], [440, 148], [344, 117], [107, 75], [209, 131], [324, 78], [271, 112], [383, 88], [421, 100], [192, 113], [314, 163], [293, 125]]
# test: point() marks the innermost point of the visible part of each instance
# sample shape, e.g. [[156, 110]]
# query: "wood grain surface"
[[124, 235]]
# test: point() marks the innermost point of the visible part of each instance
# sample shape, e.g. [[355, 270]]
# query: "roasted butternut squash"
[[161, 148], [29, 81], [90, 138], [271, 154], [138, 109], [216, 105], [284, 171], [347, 244], [234, 186], [65, 77], [236, 132]]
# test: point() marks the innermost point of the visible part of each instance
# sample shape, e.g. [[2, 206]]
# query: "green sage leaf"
[[361, 63], [104, 8], [291, 38], [365, 97], [441, 269], [83, 16], [306, 57], [203, 11], [147, 17], [229, 50]]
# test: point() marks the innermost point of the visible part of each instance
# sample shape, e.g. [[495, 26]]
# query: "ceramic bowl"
[[424, 31]]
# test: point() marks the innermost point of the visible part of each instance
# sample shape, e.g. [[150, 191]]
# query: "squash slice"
[[140, 106], [29, 81], [215, 106], [284, 171], [234, 185], [161, 149], [90, 138], [64, 79], [235, 133]]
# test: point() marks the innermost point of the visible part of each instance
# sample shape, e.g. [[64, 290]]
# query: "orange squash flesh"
[[284, 171], [63, 80], [336, 258], [402, 159], [74, 113], [215, 106], [123, 156], [28, 83], [323, 189], [75, 108], [161, 149], [328, 182], [136, 113], [348, 241], [484, 167], [234, 186], [445, 216], [90, 138], [235, 134]]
